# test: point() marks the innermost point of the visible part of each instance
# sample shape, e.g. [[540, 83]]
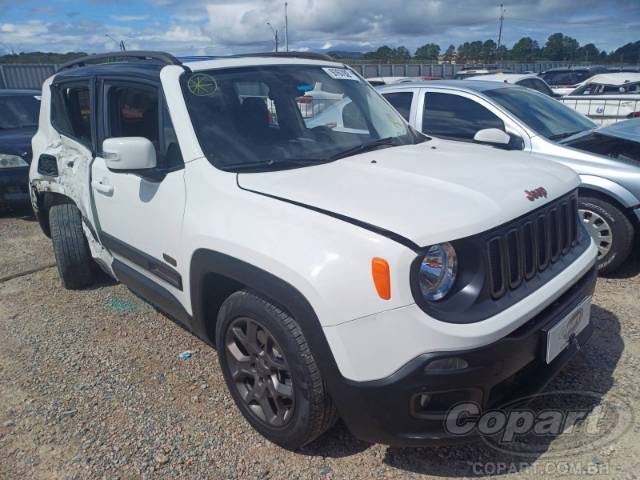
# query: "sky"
[[220, 27]]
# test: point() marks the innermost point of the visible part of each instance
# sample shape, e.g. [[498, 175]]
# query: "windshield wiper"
[[366, 147], [561, 136], [286, 162]]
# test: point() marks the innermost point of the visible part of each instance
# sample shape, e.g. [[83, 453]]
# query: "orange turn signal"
[[381, 277]]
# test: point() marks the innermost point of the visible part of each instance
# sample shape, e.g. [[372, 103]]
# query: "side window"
[[536, 84], [71, 112], [401, 101], [453, 116], [132, 111]]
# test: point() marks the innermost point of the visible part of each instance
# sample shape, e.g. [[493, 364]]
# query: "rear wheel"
[[73, 257], [610, 229], [271, 372]]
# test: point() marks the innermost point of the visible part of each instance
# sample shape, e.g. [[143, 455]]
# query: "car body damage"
[[72, 179]]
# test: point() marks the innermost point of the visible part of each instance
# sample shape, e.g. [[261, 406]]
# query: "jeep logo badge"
[[535, 194]]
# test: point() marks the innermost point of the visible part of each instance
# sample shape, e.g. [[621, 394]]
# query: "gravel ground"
[[91, 386]]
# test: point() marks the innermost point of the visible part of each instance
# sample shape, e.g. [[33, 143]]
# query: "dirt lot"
[[91, 386]]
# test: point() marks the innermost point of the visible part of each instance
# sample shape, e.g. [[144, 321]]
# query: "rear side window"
[[401, 101], [453, 116], [536, 84], [71, 113]]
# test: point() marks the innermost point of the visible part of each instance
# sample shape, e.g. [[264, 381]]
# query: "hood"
[[627, 130], [17, 141], [429, 193]]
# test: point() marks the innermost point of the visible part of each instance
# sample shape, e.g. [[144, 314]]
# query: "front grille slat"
[[529, 245]]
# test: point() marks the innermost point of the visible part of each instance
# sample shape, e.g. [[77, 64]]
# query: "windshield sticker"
[[304, 88], [341, 73], [202, 85]]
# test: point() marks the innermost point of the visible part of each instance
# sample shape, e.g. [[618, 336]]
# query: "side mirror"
[[129, 153], [492, 136]]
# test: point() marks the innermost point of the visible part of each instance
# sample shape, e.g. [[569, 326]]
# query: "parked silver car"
[[513, 117]]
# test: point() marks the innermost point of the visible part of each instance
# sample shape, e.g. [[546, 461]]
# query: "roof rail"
[[113, 57], [308, 55]]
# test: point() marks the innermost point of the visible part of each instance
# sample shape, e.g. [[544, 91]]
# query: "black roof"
[[145, 71], [147, 64]]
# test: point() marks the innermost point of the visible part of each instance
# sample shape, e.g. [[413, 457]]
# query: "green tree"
[[525, 50], [560, 47], [629, 53], [588, 53], [450, 53], [401, 53], [488, 51], [429, 51]]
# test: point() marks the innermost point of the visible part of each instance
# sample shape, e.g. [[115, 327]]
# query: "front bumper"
[[14, 185], [388, 410]]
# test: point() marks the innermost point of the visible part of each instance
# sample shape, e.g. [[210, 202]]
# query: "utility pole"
[[502, 11], [286, 28], [120, 43], [275, 34]]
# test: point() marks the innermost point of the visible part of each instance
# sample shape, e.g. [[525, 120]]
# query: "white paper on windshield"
[[340, 73]]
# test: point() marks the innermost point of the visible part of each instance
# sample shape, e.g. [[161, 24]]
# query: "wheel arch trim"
[[611, 189], [275, 289]]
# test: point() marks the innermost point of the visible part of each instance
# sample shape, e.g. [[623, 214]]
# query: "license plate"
[[559, 336]]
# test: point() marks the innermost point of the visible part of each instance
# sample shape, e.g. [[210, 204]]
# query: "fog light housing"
[[446, 365]]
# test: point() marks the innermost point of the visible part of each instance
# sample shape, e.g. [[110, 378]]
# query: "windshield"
[[285, 116], [604, 89], [548, 117], [567, 77], [18, 111]]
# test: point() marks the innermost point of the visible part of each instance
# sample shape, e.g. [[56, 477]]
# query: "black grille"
[[528, 245]]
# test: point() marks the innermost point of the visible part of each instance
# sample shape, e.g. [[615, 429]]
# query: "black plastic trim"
[[151, 292], [150, 264], [380, 411], [48, 165]]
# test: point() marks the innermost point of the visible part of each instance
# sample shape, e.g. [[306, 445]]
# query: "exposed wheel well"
[[216, 289], [46, 200]]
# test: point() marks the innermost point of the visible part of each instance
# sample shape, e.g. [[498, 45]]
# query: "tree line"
[[558, 47]]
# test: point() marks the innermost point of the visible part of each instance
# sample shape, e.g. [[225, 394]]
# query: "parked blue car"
[[19, 110]]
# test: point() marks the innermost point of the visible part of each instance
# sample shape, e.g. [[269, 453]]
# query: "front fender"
[[611, 189]]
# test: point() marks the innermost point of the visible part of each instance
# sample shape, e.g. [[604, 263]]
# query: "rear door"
[[140, 213]]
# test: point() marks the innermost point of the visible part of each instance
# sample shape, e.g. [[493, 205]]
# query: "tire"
[[610, 228], [278, 361], [73, 257]]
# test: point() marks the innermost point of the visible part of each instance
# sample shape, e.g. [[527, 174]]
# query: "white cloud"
[[129, 18], [227, 26]]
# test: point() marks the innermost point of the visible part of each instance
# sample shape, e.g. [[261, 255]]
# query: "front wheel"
[[270, 371], [610, 229]]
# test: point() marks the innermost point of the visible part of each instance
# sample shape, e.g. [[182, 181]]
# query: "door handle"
[[102, 187]]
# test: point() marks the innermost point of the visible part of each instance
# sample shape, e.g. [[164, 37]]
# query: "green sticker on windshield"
[[202, 85]]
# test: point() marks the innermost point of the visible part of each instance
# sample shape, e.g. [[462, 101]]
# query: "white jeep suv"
[[368, 272]]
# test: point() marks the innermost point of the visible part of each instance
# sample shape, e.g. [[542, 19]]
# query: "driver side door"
[[140, 213]]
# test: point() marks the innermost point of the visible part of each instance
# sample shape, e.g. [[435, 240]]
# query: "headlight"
[[438, 271], [11, 161]]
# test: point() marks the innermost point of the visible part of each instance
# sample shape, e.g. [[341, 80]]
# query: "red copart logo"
[[535, 193]]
